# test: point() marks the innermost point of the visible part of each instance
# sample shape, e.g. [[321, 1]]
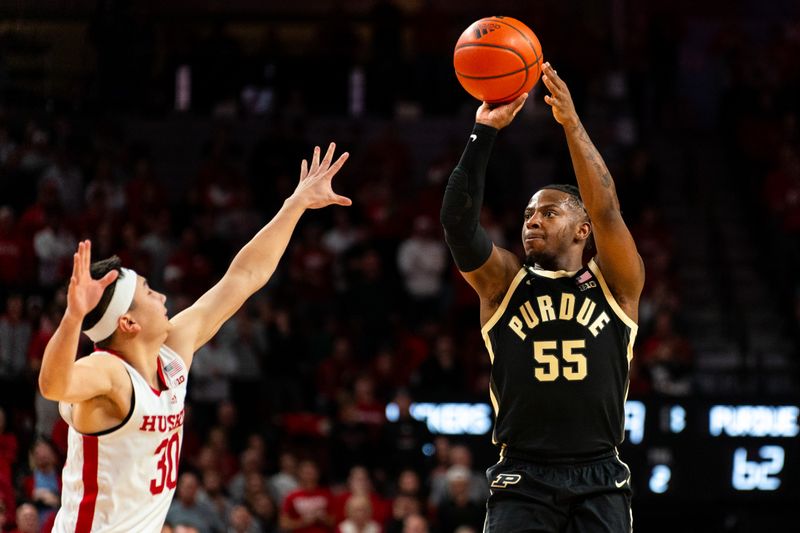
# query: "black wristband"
[[476, 155]]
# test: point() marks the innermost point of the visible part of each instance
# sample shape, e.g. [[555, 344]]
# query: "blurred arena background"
[[168, 132]]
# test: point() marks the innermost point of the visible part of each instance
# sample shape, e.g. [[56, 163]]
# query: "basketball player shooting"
[[559, 333], [124, 402]]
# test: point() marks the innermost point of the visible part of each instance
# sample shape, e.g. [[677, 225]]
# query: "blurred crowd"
[[286, 417], [286, 426], [760, 113]]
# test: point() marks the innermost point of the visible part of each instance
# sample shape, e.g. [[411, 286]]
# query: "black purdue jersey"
[[560, 347]]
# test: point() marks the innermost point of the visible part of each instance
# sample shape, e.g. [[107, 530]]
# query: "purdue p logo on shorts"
[[504, 480]]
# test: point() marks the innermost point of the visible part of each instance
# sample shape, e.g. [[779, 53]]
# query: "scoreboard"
[[702, 450], [678, 449]]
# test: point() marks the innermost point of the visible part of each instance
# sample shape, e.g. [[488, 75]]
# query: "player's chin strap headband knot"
[[120, 303]]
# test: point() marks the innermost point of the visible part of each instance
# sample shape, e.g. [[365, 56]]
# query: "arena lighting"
[[449, 418], [635, 412], [476, 418]]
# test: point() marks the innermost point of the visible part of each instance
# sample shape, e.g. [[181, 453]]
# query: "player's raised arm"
[[486, 267], [256, 261], [617, 257], [61, 377]]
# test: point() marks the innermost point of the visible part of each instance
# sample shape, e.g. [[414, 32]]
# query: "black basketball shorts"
[[590, 497]]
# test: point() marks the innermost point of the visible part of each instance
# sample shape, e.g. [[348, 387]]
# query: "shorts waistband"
[[512, 453]]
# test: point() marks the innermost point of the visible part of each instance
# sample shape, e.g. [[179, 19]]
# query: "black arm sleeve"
[[463, 198]]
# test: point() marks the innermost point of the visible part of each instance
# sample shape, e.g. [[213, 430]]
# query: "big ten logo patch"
[[504, 480], [586, 286]]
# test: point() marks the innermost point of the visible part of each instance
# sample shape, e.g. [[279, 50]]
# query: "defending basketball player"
[[559, 333], [124, 402]]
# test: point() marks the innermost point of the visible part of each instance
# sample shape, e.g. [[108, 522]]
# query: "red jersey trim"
[[87, 505], [160, 377]]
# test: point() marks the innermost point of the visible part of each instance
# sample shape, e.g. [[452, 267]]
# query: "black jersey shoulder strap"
[[498, 314]]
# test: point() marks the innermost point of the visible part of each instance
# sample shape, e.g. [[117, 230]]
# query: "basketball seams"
[[501, 47], [478, 45], [530, 43], [525, 68], [497, 76], [533, 48]]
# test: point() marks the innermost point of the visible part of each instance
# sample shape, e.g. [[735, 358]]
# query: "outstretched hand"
[[559, 99], [500, 116], [315, 189], [84, 292]]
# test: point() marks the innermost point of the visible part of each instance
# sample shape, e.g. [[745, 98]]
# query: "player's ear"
[[584, 231], [127, 324]]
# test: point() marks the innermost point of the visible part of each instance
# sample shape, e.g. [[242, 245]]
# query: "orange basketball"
[[497, 59]]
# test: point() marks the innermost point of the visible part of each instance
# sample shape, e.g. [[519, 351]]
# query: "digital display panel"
[[707, 450], [685, 449]]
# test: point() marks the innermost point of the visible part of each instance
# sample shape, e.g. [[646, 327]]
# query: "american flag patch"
[[173, 368], [583, 278]]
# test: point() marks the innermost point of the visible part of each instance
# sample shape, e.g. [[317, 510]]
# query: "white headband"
[[118, 306]]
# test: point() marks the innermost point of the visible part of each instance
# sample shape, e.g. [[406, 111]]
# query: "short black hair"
[[572, 190], [97, 270]]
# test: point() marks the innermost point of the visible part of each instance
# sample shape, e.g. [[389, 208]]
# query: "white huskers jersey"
[[122, 480]]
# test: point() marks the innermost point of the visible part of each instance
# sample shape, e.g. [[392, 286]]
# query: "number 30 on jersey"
[[169, 452]]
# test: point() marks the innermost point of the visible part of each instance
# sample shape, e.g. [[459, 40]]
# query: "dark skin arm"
[[493, 278], [620, 263]]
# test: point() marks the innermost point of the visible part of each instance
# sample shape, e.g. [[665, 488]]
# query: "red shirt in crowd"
[[305, 503]]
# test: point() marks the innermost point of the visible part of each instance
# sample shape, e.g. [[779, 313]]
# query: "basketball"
[[497, 59]]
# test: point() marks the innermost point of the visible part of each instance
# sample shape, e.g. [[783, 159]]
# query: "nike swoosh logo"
[[620, 484], [473, 137]]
